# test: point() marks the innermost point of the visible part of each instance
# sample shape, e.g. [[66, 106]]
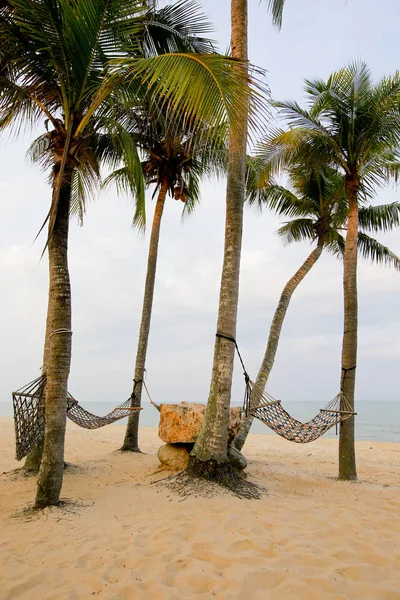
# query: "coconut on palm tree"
[[75, 66], [353, 124], [317, 207]]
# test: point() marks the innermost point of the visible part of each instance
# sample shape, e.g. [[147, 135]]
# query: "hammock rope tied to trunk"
[[29, 415], [270, 411]]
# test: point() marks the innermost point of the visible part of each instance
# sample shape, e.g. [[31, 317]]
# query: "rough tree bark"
[[347, 456], [34, 458], [59, 358], [131, 442], [209, 456], [273, 339]]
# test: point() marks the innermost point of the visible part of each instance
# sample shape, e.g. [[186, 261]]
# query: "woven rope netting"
[[271, 412], [29, 415]]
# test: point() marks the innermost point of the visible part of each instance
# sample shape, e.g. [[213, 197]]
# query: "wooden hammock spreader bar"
[[340, 412], [271, 403]]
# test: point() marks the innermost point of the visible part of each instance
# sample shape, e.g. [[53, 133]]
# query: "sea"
[[375, 421]]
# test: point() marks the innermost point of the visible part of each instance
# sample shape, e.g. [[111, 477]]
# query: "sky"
[[108, 258]]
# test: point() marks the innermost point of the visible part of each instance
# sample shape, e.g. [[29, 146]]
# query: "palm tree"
[[353, 124], [176, 158], [209, 457], [173, 28], [317, 207], [76, 66]]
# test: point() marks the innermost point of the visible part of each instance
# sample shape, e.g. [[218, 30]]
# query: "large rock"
[[174, 457], [180, 423]]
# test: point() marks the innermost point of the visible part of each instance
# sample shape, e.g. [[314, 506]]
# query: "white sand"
[[309, 537]]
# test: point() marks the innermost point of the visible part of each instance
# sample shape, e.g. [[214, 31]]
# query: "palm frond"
[[205, 88], [193, 199], [276, 9], [384, 217], [177, 27], [297, 230], [376, 252]]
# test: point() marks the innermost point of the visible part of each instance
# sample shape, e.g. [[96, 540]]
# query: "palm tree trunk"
[[132, 430], [34, 458], [273, 340], [347, 457], [209, 456], [59, 357]]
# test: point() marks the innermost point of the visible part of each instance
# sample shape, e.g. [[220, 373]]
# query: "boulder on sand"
[[180, 423], [174, 457]]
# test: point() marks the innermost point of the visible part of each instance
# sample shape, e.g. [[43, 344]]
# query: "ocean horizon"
[[375, 421]]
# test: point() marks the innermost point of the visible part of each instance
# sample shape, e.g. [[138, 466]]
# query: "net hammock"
[[270, 411], [29, 415]]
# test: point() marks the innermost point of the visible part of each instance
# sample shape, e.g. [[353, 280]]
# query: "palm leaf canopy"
[[67, 57], [79, 66], [350, 122], [173, 154], [315, 201], [317, 207]]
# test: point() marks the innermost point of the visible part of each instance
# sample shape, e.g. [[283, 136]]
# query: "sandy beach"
[[123, 537]]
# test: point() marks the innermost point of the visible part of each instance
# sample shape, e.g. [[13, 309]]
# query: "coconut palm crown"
[[317, 208]]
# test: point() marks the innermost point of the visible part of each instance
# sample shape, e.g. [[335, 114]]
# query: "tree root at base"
[[129, 449], [211, 478]]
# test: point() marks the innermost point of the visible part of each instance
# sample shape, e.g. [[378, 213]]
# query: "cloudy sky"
[[107, 257]]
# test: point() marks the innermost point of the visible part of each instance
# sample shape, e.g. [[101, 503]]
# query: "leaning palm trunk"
[[59, 353], [273, 340], [347, 458], [209, 458], [132, 430]]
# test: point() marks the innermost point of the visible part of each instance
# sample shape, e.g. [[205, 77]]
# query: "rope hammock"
[[29, 414], [271, 412]]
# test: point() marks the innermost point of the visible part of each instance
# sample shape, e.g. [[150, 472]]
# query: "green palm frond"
[[384, 217], [173, 154], [315, 194], [193, 199], [298, 230], [278, 199], [85, 184], [376, 252], [80, 65], [351, 122], [177, 27], [39, 151], [276, 9], [205, 88], [336, 245]]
